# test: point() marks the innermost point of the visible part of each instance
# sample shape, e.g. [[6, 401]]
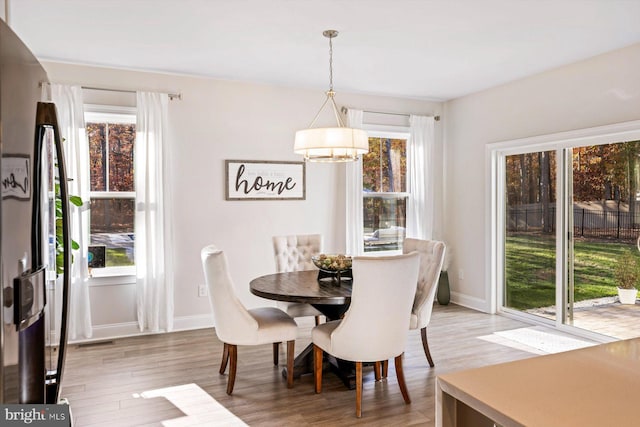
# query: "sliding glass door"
[[530, 233], [565, 218], [605, 226]]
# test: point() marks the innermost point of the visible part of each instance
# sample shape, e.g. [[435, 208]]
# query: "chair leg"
[[359, 389], [425, 345], [233, 356], [385, 368], [317, 320], [225, 359], [276, 352], [317, 368], [376, 370], [400, 376], [290, 357]]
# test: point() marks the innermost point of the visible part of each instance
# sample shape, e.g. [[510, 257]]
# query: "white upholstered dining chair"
[[375, 326], [431, 259], [293, 253], [235, 325]]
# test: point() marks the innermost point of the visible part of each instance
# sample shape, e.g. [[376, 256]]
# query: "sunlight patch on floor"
[[537, 340], [199, 407]]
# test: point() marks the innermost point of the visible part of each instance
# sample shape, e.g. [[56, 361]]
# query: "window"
[[384, 192], [111, 139]]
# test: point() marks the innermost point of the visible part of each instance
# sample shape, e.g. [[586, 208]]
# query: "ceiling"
[[429, 49]]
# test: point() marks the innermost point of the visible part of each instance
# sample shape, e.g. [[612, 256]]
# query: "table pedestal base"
[[302, 364], [343, 369]]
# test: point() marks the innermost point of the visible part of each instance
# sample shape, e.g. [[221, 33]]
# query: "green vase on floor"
[[444, 294]]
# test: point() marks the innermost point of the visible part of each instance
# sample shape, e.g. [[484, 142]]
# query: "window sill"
[[113, 271], [383, 253], [112, 276]]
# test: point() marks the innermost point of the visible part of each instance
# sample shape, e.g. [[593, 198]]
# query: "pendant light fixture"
[[332, 144]]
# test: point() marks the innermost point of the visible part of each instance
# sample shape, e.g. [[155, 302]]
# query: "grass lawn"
[[530, 269], [117, 257]]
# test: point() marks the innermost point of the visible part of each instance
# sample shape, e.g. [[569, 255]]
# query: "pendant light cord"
[[331, 63], [330, 34]]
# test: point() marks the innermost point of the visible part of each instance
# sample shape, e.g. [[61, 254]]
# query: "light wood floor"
[[112, 384]]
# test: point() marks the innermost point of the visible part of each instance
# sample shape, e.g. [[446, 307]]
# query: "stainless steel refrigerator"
[[32, 163]]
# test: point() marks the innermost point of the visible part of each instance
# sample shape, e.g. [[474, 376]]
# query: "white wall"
[[599, 91], [214, 121]]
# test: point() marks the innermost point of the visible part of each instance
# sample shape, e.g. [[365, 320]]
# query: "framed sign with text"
[[16, 177], [264, 180]]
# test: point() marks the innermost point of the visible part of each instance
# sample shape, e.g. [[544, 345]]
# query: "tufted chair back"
[[431, 260], [293, 253]]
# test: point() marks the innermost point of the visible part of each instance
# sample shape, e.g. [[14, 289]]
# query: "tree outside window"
[[385, 194], [112, 192]]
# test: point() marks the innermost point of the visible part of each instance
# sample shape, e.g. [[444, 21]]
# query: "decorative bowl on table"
[[333, 267]]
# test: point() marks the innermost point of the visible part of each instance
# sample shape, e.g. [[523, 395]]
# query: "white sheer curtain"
[[154, 282], [68, 100], [420, 177], [354, 220]]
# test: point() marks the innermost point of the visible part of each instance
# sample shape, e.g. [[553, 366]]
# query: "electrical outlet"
[[460, 274], [202, 290]]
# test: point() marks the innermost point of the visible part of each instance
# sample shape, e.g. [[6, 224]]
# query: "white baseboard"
[[186, 323], [470, 302], [114, 330], [130, 329]]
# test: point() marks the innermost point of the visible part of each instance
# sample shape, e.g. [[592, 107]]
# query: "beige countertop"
[[594, 386]]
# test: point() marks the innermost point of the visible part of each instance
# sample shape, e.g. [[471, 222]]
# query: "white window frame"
[[111, 114], [392, 132], [495, 157]]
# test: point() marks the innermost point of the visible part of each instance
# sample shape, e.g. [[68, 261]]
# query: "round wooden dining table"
[[330, 297]]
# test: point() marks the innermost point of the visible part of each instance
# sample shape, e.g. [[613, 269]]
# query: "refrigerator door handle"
[[46, 116]]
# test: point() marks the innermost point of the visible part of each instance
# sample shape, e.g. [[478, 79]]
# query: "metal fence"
[[605, 224]]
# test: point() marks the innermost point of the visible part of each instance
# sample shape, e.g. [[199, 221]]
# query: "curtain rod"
[[172, 96], [344, 111]]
